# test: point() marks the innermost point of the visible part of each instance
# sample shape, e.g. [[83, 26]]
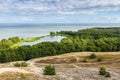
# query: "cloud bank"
[[58, 6]]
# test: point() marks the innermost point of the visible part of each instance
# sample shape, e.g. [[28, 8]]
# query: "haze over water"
[[35, 30]]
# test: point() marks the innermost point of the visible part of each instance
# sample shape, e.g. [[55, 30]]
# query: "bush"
[[49, 70], [23, 64], [22, 76], [99, 59], [84, 60], [17, 64], [92, 56], [102, 71], [107, 74]]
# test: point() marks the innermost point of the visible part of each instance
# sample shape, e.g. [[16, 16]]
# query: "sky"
[[59, 11]]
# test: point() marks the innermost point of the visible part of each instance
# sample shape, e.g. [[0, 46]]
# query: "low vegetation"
[[22, 76], [107, 74], [17, 64], [93, 56], [99, 59], [22, 64], [17, 76], [32, 39], [49, 70], [84, 60], [104, 72]]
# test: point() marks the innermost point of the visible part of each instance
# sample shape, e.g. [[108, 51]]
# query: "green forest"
[[91, 39], [8, 43]]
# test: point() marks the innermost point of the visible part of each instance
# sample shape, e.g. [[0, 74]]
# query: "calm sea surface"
[[34, 30]]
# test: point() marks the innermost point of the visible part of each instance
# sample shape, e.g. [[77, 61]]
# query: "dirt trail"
[[35, 69], [31, 66]]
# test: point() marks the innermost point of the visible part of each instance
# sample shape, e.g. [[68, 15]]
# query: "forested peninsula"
[[91, 39]]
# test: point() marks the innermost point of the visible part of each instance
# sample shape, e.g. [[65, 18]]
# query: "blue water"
[[35, 30], [47, 38]]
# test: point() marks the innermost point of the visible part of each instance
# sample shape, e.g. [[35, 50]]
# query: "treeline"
[[94, 33], [7, 43], [93, 39]]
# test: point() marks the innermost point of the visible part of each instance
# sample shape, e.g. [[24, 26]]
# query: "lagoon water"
[[47, 38], [35, 30]]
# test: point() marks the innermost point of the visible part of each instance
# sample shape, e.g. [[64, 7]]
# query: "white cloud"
[[58, 6], [26, 19], [63, 12], [110, 18]]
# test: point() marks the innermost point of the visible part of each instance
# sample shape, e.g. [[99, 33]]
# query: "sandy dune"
[[2, 70], [69, 66]]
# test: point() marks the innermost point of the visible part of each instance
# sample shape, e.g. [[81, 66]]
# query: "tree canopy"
[[92, 39]]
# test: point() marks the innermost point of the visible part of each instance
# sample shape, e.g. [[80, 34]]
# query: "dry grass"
[[17, 76], [107, 57], [69, 67]]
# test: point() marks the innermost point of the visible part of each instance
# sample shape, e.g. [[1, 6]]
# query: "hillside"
[[68, 66], [91, 40]]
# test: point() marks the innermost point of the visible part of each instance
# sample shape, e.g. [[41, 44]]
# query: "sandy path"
[[2, 70], [35, 69]]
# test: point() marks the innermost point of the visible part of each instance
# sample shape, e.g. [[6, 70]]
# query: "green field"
[[25, 40]]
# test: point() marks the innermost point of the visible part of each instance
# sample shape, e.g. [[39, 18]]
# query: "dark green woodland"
[[92, 39]]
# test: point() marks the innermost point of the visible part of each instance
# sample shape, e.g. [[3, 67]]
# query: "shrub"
[[84, 60], [49, 70], [99, 59], [102, 71], [23, 64], [17, 64], [92, 56], [107, 74], [22, 76]]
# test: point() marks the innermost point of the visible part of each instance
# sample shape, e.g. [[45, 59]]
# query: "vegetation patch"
[[22, 64], [84, 60], [32, 39], [99, 59], [107, 74], [17, 76], [93, 56], [104, 72], [49, 70]]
